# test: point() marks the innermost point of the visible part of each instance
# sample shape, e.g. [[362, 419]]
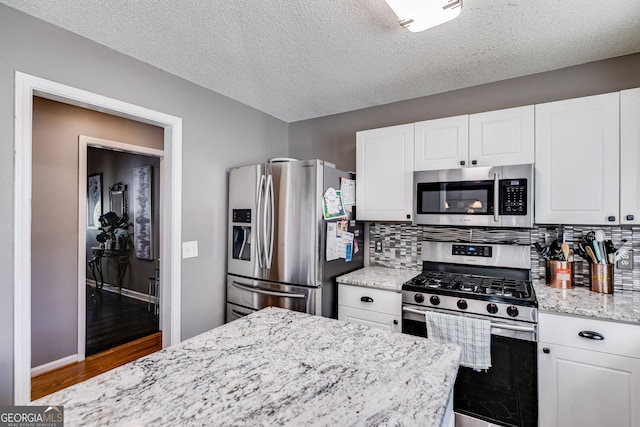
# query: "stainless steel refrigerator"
[[277, 239]]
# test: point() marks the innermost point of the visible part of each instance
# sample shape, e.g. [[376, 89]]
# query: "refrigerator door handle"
[[258, 241], [271, 215]]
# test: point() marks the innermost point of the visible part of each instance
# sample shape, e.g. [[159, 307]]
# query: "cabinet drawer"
[[370, 299], [372, 319], [619, 338]]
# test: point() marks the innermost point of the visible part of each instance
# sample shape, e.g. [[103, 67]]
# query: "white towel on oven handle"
[[471, 334]]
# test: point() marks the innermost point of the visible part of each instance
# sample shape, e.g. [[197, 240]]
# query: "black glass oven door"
[[457, 198]]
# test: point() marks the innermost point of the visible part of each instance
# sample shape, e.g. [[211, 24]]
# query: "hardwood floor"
[[74, 373], [113, 320]]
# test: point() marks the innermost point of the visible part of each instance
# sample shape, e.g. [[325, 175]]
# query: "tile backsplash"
[[401, 246]]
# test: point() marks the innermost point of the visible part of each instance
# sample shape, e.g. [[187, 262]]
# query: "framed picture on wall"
[[142, 226], [94, 200]]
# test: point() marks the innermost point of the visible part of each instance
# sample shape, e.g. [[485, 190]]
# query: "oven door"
[[506, 394]]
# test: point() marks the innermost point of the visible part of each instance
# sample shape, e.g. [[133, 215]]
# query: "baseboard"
[[126, 292], [54, 365]]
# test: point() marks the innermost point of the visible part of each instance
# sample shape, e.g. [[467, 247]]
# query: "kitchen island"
[[274, 367]]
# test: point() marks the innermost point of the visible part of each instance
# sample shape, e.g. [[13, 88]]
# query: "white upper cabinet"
[[630, 156], [502, 137], [577, 161], [384, 173], [494, 138], [442, 143]]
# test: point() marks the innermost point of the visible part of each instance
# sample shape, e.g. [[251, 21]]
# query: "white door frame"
[[83, 143], [26, 86]]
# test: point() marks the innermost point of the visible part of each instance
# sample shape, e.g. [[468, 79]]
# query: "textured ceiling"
[[301, 59]]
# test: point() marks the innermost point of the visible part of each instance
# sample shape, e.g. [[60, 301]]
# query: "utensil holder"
[[559, 274], [602, 278]]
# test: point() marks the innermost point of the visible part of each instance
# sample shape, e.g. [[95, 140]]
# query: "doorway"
[[26, 87], [122, 251]]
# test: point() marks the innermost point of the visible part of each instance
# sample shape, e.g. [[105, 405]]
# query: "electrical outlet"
[[626, 262], [378, 243]]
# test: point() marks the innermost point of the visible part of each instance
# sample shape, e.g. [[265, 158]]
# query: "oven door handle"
[[493, 325], [513, 327], [414, 311], [266, 292]]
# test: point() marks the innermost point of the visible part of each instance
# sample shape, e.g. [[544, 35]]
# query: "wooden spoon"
[[565, 251], [591, 254]]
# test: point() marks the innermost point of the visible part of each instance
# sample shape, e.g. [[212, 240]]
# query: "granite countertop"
[[621, 306], [274, 367], [390, 279]]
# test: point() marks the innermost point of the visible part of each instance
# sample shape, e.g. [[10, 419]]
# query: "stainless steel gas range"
[[492, 282]]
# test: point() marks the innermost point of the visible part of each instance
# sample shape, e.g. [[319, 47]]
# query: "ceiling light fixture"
[[418, 15]]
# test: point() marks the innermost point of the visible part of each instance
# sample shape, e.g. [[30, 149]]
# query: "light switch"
[[190, 249]]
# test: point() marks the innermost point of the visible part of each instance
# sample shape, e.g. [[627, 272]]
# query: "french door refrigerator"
[[277, 239]]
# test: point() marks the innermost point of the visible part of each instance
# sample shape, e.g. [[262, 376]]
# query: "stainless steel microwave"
[[499, 196]]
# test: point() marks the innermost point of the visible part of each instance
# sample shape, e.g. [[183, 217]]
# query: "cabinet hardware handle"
[[546, 350], [408, 216], [591, 335], [366, 299], [611, 218], [461, 162], [630, 218], [474, 162], [395, 322]]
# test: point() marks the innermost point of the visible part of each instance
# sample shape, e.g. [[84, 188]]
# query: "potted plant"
[[113, 229]]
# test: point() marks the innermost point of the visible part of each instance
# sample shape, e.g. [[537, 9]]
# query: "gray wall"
[[218, 133], [333, 137]]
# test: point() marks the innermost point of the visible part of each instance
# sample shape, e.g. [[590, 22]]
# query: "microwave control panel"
[[513, 197]]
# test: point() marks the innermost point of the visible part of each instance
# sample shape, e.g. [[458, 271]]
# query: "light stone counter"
[[390, 279], [274, 367], [621, 306]]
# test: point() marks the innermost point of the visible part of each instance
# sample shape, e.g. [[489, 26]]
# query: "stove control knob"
[[492, 308], [435, 300], [462, 304], [512, 311], [418, 298]]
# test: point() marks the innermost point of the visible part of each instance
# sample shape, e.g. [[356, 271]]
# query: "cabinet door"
[[584, 388], [502, 137], [629, 156], [577, 164], [442, 143], [373, 319], [384, 173]]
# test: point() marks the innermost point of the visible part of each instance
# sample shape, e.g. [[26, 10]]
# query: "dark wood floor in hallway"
[[113, 320]]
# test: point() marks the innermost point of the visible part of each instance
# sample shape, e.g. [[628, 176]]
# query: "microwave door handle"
[[496, 197], [258, 219]]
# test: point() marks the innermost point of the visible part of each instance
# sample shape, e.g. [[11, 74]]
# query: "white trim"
[[26, 86], [124, 291], [84, 142], [47, 367], [82, 249]]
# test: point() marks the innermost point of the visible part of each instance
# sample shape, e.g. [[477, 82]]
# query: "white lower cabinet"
[[376, 308], [584, 381]]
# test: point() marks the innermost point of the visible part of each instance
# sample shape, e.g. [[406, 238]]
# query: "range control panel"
[[472, 250], [513, 197]]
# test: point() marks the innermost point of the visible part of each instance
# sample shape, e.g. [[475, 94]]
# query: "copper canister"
[[602, 278], [559, 274]]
